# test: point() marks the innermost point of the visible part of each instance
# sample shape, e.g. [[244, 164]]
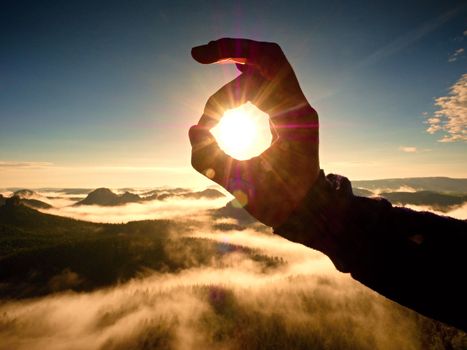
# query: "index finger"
[[230, 50]]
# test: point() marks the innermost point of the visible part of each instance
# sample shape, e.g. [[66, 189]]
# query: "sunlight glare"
[[243, 132]]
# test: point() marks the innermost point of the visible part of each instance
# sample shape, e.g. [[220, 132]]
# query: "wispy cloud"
[[409, 38], [15, 164], [181, 170], [408, 149], [128, 168], [456, 55], [451, 115]]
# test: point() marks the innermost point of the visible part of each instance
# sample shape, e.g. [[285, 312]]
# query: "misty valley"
[[175, 268]]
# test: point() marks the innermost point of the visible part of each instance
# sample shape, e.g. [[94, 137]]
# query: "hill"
[[41, 253], [209, 193], [105, 197], [174, 191], [71, 191], [230, 210], [183, 193], [438, 201], [357, 191], [435, 184], [24, 193], [25, 197]]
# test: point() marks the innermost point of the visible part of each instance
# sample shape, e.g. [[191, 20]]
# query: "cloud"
[[456, 55], [168, 209], [177, 170], [408, 149], [30, 165], [450, 117], [20, 164]]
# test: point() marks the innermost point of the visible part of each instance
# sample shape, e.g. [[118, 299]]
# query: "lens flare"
[[243, 132]]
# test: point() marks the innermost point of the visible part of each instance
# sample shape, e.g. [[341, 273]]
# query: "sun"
[[243, 132]]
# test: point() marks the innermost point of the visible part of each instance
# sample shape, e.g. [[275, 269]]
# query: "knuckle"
[[210, 101], [274, 50], [276, 47]]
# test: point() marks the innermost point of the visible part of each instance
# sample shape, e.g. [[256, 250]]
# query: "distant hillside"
[[73, 191], [175, 190], [25, 197], [35, 204], [183, 193], [24, 193], [438, 201], [234, 212], [208, 193], [435, 184], [362, 192], [105, 197], [23, 228], [41, 253]]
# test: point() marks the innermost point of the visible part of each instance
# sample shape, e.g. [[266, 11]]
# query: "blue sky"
[[103, 93]]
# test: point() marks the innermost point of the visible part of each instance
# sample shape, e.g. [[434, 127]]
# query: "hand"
[[271, 185]]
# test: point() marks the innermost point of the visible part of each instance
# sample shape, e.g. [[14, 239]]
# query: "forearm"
[[413, 258]]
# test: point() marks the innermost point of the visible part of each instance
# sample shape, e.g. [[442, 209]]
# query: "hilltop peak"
[[102, 190], [105, 197], [12, 202], [25, 193]]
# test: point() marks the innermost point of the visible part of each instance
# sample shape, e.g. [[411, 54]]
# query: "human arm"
[[414, 258], [284, 188]]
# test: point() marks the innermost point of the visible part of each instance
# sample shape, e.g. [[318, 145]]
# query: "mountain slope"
[[26, 197], [41, 253]]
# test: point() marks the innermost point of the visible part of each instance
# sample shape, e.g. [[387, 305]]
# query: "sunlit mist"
[[243, 132]]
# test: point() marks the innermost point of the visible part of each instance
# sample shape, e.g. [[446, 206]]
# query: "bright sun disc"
[[243, 132]]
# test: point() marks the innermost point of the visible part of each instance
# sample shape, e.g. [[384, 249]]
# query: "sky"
[[103, 93]]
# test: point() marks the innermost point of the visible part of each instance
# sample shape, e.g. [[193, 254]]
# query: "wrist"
[[319, 221]]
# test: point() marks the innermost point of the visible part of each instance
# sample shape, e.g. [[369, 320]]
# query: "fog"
[[305, 302], [166, 312], [156, 209], [172, 207], [240, 303], [459, 212], [378, 191]]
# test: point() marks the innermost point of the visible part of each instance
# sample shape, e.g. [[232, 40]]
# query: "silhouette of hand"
[[271, 185]]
